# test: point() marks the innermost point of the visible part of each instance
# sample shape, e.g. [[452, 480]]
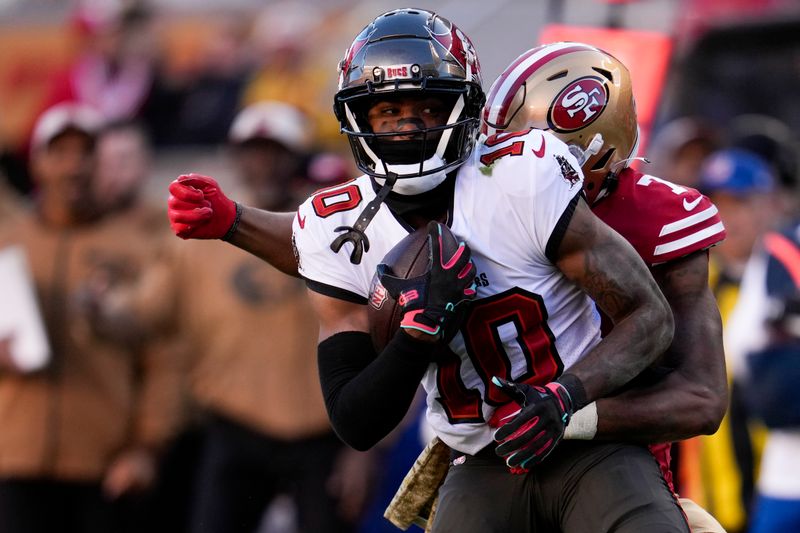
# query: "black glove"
[[537, 427], [431, 301]]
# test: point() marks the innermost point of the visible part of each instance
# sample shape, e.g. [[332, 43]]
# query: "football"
[[407, 259]]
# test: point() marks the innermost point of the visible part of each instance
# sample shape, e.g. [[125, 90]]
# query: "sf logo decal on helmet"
[[377, 294], [579, 104]]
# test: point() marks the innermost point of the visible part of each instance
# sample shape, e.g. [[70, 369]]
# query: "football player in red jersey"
[[583, 96], [409, 100]]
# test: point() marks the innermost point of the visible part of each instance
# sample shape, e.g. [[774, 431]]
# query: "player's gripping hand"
[[198, 209], [431, 302], [529, 437]]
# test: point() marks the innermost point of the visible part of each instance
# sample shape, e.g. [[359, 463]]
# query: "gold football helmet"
[[579, 93]]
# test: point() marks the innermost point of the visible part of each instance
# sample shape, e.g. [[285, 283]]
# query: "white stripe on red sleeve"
[[684, 223], [666, 248]]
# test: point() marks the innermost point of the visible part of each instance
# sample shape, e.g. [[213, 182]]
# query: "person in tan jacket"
[[85, 429], [254, 369]]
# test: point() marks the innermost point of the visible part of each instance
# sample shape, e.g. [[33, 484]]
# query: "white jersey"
[[511, 203]]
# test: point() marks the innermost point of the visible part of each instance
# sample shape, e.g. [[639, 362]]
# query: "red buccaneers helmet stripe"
[[344, 68], [504, 92]]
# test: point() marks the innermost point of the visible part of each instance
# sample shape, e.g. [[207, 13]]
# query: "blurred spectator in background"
[[86, 429], [763, 341], [124, 166], [124, 161], [269, 144], [326, 169], [286, 46], [115, 69], [743, 187], [717, 471], [773, 141], [197, 108], [254, 370], [679, 148]]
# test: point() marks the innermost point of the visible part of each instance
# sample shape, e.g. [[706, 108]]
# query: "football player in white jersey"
[[583, 95], [409, 99]]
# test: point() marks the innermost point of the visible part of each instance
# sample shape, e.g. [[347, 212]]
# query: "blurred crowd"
[[750, 172], [184, 81], [158, 411]]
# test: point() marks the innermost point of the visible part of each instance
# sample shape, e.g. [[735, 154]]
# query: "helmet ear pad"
[[596, 173]]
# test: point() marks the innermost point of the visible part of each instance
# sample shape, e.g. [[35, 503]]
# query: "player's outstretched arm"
[[199, 209], [691, 399], [268, 236], [367, 394], [611, 272]]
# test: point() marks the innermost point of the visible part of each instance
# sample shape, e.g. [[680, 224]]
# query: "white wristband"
[[583, 424]]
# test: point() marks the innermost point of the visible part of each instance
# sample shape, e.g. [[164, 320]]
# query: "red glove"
[[198, 209]]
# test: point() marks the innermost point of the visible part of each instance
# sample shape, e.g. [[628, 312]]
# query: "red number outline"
[[513, 149], [480, 329], [324, 210], [498, 138]]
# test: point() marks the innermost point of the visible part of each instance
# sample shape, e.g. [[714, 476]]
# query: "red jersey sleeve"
[[663, 221]]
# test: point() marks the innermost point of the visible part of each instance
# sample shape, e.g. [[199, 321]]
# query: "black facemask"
[[406, 152]]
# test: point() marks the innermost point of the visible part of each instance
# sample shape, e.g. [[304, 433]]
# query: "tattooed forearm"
[[608, 287], [610, 271], [683, 278], [692, 397]]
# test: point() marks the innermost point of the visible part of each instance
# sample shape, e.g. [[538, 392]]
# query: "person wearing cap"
[[742, 185], [253, 370], [717, 471], [86, 428]]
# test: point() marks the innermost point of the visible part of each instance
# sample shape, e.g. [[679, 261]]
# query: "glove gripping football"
[[430, 301]]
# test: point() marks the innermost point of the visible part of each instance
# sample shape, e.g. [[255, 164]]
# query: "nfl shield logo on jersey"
[[377, 294]]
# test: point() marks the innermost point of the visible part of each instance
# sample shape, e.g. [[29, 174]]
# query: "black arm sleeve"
[[368, 394]]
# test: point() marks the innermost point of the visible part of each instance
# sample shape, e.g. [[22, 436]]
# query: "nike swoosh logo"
[[691, 205], [540, 152], [301, 221]]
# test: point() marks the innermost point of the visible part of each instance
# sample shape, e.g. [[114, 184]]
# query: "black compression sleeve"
[[367, 394]]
